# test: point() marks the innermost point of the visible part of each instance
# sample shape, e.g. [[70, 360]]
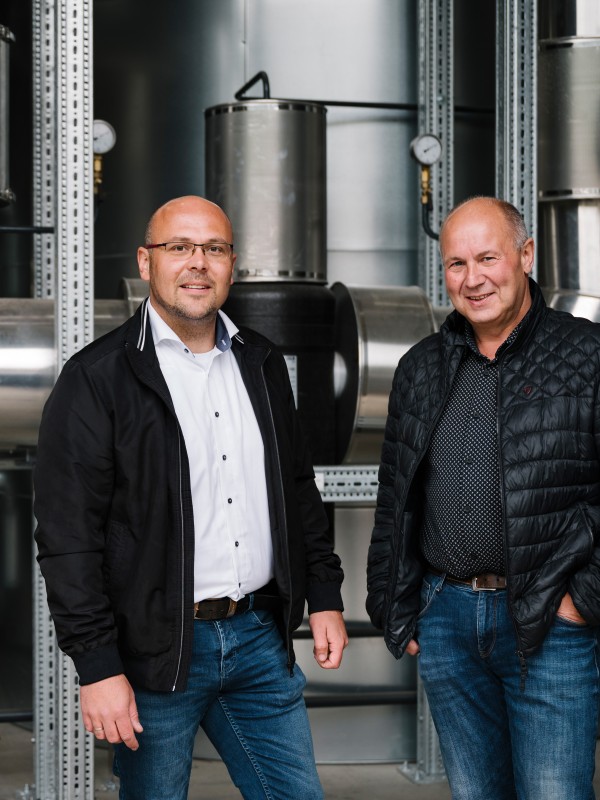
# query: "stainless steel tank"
[[265, 165], [569, 146], [375, 326]]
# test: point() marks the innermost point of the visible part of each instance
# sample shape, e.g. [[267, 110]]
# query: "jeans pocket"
[[428, 592], [569, 623], [263, 618]]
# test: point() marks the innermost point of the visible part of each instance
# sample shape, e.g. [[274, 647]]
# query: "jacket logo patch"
[[528, 390]]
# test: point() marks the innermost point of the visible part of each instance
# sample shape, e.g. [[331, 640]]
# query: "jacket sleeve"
[[394, 569], [324, 573], [382, 538], [73, 481], [584, 586]]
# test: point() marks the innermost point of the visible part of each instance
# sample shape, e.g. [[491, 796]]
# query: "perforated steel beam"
[[516, 106], [63, 198], [436, 115]]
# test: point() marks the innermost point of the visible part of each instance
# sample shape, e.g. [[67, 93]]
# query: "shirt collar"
[[225, 329]]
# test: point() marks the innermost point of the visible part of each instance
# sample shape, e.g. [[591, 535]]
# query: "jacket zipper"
[[284, 520], [520, 655], [182, 563]]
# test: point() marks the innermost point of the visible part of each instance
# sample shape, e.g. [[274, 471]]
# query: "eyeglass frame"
[[194, 245]]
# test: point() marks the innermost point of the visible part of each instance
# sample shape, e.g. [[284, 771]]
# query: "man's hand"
[[109, 711], [568, 611], [330, 638], [412, 648]]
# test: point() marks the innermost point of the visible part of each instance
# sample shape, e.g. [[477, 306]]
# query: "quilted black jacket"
[[549, 450]]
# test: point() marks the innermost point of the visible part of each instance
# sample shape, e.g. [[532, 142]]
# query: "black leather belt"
[[484, 582], [225, 607]]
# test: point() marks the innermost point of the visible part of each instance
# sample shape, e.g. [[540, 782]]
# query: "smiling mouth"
[[477, 297], [195, 286]]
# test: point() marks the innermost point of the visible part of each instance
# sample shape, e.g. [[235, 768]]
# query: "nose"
[[474, 277], [197, 260]]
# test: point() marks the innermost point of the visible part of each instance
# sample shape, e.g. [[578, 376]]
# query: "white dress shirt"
[[233, 549]]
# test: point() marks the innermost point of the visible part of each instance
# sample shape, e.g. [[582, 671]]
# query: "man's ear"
[[143, 259], [527, 255]]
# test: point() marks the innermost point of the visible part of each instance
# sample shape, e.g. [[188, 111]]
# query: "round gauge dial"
[[426, 149], [104, 136]]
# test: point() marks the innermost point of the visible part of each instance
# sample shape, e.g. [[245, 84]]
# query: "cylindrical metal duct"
[[28, 362], [6, 193], [265, 165], [569, 145], [375, 326]]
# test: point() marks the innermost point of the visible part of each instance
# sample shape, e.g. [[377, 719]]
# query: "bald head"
[[186, 206], [474, 205]]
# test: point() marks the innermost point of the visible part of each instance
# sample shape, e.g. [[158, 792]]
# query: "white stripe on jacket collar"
[[226, 329]]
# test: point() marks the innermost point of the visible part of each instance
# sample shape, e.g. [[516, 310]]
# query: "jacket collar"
[[139, 346], [142, 354]]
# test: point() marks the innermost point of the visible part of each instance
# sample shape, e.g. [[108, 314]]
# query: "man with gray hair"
[[485, 558]]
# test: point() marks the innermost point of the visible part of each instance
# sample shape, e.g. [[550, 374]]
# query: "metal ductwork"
[[265, 165], [569, 154]]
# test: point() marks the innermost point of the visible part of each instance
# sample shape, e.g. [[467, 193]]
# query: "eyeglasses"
[[215, 251]]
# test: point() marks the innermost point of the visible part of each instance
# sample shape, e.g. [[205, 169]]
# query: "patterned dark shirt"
[[462, 531]]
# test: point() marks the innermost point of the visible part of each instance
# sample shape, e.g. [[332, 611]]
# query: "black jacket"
[[549, 449], [114, 509]]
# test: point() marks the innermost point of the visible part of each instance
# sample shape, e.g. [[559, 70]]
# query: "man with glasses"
[[180, 530], [485, 554]]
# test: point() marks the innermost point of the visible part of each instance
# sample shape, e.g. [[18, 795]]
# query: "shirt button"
[[468, 460], [237, 544], [467, 508], [216, 413], [475, 415], [224, 458], [229, 500]]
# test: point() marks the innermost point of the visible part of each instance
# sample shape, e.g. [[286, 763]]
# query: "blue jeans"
[[498, 741], [240, 691]]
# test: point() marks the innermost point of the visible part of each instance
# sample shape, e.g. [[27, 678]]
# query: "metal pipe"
[[6, 38], [26, 229]]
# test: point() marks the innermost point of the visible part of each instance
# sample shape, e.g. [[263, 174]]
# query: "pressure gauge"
[[104, 136], [426, 149]]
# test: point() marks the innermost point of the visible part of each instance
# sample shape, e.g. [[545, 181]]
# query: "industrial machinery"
[[333, 264]]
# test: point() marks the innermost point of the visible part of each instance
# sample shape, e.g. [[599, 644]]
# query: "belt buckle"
[[231, 609], [477, 588]]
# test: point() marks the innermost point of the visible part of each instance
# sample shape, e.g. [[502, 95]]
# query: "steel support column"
[[436, 115], [63, 197], [516, 107]]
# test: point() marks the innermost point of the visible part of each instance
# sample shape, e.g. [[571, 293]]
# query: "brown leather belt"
[[225, 607], [220, 607], [484, 582]]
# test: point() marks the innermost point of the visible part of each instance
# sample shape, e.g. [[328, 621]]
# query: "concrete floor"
[[211, 782]]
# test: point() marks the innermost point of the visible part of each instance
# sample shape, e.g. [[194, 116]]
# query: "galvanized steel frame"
[[436, 115], [516, 106], [63, 198]]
